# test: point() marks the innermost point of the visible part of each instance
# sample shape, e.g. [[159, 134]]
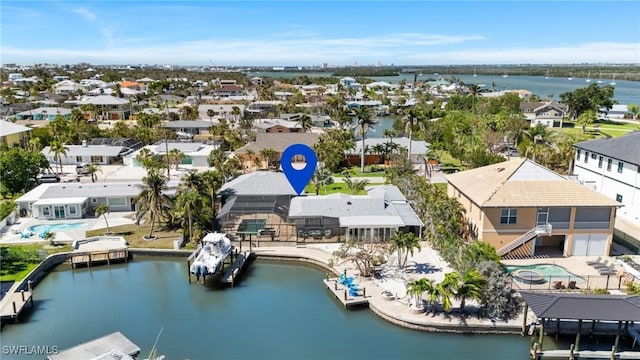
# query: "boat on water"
[[588, 77], [613, 81], [600, 79], [215, 249]]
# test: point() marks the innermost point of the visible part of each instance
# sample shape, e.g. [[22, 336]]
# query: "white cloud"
[[306, 48], [86, 13]]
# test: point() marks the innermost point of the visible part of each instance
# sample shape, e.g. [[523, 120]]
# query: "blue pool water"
[[546, 270], [55, 227]]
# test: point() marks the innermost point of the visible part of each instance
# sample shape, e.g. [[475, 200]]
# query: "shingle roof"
[[583, 306], [625, 148], [523, 183], [279, 141], [258, 183]]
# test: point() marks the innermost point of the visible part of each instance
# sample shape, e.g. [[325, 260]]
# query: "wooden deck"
[[566, 354], [235, 270], [95, 348], [14, 303], [342, 294]]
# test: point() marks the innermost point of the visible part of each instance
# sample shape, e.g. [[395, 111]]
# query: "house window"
[[96, 159], [600, 159], [586, 157], [117, 201], [578, 154], [620, 166], [508, 216], [94, 200], [78, 159], [609, 162], [45, 211], [72, 210], [593, 156], [619, 198]]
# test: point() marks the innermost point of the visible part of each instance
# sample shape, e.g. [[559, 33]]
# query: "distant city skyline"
[[306, 33]]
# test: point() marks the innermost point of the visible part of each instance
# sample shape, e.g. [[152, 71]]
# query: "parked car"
[[48, 178], [81, 169]]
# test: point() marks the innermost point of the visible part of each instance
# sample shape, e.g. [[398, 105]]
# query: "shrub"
[[6, 208], [633, 288]]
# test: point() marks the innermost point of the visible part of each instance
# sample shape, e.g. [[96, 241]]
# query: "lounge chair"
[[572, 284], [603, 265], [611, 270], [594, 262], [558, 285]]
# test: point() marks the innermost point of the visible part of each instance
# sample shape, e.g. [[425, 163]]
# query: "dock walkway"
[[114, 342], [99, 250], [342, 294], [586, 354], [236, 268], [14, 303]]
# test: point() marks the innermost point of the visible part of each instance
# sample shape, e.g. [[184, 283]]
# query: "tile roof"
[[625, 148], [583, 306], [523, 183]]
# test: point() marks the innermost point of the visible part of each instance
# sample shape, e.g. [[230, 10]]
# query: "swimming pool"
[[37, 229], [549, 271]]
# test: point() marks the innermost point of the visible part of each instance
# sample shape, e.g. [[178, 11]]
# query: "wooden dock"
[[14, 303], [89, 259], [114, 343], [342, 294], [585, 354], [234, 271]]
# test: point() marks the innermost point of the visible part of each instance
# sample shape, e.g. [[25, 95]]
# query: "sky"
[[304, 33]]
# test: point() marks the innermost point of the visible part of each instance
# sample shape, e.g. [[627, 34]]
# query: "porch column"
[[524, 319], [541, 334], [615, 345]]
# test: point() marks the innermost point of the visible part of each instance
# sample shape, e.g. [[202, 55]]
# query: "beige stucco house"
[[524, 209]]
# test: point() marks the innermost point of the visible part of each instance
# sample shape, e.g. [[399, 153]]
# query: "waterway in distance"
[[278, 311]]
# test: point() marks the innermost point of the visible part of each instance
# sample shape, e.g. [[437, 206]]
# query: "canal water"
[[278, 311]]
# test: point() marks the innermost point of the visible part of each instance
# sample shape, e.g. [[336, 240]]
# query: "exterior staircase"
[[538, 230]]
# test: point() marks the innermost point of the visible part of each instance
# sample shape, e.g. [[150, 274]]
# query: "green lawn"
[[369, 171], [333, 188], [600, 129], [19, 260], [134, 234]]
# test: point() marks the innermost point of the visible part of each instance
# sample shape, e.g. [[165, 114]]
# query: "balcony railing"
[[591, 225]]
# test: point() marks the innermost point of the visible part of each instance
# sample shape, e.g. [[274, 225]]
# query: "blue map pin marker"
[[298, 178]]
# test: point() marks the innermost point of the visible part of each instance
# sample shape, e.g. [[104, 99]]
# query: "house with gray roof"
[[612, 167], [372, 217], [276, 141], [89, 154], [14, 135], [78, 200]]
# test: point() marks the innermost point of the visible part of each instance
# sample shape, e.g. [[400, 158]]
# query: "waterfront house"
[[275, 125], [377, 149], [545, 113], [372, 217], [189, 128], [525, 209], [14, 135], [617, 111], [78, 200], [226, 91], [612, 167]]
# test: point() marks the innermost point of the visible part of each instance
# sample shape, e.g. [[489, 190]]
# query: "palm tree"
[[365, 120], [405, 244], [469, 286], [322, 177], [92, 170], [447, 288], [189, 201], [355, 186], [411, 119], [418, 287], [152, 200], [174, 157], [103, 210], [305, 122], [212, 181], [268, 154], [58, 149], [586, 118], [211, 114]]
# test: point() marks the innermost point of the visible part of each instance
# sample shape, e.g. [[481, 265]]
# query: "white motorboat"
[[215, 248]]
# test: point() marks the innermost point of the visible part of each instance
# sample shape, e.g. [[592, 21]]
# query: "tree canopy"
[[19, 168], [592, 97]]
